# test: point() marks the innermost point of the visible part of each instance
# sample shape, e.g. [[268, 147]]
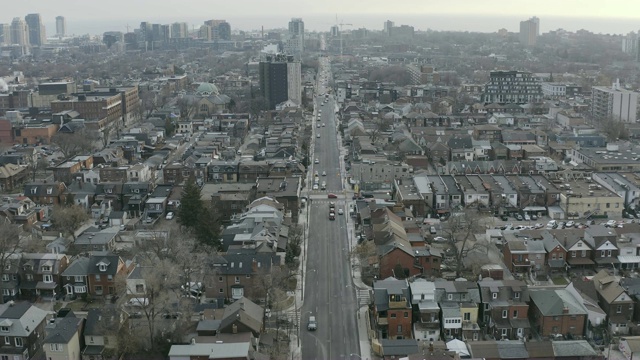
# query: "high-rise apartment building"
[[19, 32], [529, 31], [220, 29], [517, 87], [280, 79], [179, 30], [295, 41], [61, 26], [631, 45], [205, 33], [37, 32], [614, 102], [5, 34]]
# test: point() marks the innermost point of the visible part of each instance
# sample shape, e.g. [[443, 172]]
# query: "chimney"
[[234, 329], [254, 266]]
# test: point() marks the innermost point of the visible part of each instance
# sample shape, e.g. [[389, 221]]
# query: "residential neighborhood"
[[188, 191]]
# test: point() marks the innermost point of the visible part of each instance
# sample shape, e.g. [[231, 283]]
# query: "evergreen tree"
[[191, 205]]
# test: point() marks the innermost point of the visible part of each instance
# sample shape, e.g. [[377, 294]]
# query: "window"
[[97, 277], [630, 306], [7, 340], [554, 329], [103, 267], [516, 295], [515, 314], [467, 316], [46, 268], [78, 278], [4, 328], [450, 297], [47, 278], [504, 332], [393, 316], [221, 291], [19, 342], [237, 280], [110, 277], [406, 314], [220, 278], [573, 254], [399, 329], [6, 292], [139, 288], [91, 339], [248, 276], [5, 277], [98, 289], [504, 314], [556, 318], [58, 347], [494, 295], [618, 309]]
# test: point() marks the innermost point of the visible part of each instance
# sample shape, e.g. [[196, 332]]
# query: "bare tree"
[[9, 245], [37, 164], [380, 126], [364, 252], [459, 231], [75, 143], [67, 219], [188, 107]]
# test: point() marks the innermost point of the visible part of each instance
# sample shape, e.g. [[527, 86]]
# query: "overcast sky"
[[473, 15]]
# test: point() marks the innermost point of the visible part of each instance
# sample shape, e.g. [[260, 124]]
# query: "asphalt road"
[[329, 292]]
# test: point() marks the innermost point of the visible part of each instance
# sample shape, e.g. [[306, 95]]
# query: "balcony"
[[383, 321]]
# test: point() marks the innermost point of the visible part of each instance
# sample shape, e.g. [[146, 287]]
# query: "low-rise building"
[[557, 312]]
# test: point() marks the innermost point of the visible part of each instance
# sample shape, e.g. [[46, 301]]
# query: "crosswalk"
[[363, 296]]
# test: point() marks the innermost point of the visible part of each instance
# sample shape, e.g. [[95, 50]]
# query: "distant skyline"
[[616, 17]]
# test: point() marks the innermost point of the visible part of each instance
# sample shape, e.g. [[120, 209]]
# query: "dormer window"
[[49, 191], [4, 328], [494, 295], [46, 268], [516, 295], [102, 267]]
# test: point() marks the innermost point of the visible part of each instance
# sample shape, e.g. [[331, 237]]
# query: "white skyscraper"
[[295, 41]]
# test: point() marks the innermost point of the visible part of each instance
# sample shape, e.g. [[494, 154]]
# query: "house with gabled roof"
[[100, 332], [40, 275], [555, 259], [557, 312], [22, 327], [75, 279], [392, 312], [504, 308], [103, 268], [64, 338]]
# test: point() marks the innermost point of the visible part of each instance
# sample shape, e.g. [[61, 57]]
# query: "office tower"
[[179, 30], [19, 32], [220, 29], [205, 33], [5, 34], [387, 26], [37, 33], [529, 31], [335, 31], [614, 102], [280, 79], [518, 87], [61, 26], [295, 42]]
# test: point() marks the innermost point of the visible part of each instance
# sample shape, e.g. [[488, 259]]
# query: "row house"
[[474, 189], [22, 326], [392, 311], [522, 255], [427, 323], [176, 173], [234, 276], [44, 193], [446, 195], [504, 308], [40, 275], [458, 302]]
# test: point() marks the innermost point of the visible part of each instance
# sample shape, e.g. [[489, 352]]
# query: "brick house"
[[46, 193], [12, 176], [555, 259], [613, 299], [579, 252], [523, 256], [102, 272], [557, 311], [504, 308], [603, 241], [176, 173], [41, 275], [392, 309], [458, 301], [235, 276]]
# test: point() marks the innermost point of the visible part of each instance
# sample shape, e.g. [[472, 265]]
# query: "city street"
[[329, 293]]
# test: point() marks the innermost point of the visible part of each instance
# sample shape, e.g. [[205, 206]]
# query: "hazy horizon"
[[450, 22]]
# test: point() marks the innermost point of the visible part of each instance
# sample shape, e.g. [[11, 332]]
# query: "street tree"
[[379, 126], [459, 230], [67, 219], [35, 165], [10, 236], [364, 252], [188, 107]]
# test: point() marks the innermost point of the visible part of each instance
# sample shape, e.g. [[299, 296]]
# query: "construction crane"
[[341, 25]]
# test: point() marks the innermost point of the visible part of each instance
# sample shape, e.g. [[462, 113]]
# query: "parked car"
[[527, 217], [570, 224], [432, 230], [534, 217], [504, 218], [439, 239], [610, 223], [518, 217], [169, 215], [340, 211]]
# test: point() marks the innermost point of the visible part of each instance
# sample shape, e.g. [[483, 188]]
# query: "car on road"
[[169, 216], [538, 226], [315, 187], [332, 216], [318, 125], [316, 161], [439, 239], [323, 125], [318, 136], [340, 211], [610, 223], [332, 196], [324, 173], [312, 325]]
